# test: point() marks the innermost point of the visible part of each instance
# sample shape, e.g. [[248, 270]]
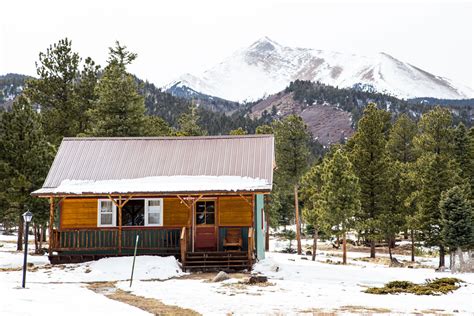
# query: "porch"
[[79, 245]]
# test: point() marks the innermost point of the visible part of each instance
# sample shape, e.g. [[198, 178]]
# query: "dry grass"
[[150, 305]]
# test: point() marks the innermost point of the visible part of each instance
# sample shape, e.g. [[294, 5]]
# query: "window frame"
[[205, 213], [99, 213], [147, 212]]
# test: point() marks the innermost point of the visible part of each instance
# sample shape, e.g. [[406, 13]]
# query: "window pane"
[[106, 206], [210, 218], [200, 218], [133, 213], [210, 206], [154, 218], [154, 209], [200, 207], [106, 219], [154, 202]]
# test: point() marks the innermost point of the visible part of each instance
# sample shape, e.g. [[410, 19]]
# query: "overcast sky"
[[175, 37]]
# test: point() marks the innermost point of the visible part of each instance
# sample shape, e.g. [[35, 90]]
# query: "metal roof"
[[118, 158]]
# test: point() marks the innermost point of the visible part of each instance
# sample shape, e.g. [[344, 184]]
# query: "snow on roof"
[[166, 184], [162, 164]]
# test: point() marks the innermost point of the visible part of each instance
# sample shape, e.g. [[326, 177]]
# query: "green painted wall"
[[259, 227]]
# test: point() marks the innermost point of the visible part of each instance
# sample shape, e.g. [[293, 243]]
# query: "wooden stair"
[[217, 260]]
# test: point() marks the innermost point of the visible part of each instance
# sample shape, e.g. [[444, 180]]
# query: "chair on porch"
[[233, 239]]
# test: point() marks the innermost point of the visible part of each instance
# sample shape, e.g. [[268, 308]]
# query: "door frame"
[[216, 226]]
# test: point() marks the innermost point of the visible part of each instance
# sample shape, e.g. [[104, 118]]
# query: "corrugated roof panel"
[[130, 158]]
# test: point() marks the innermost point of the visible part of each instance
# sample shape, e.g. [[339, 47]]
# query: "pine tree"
[[463, 154], [238, 131], [264, 129], [63, 92], [120, 109], [458, 221], [25, 157], [292, 156], [156, 126], [437, 172], [313, 212], [402, 156], [369, 158], [340, 195], [188, 123]]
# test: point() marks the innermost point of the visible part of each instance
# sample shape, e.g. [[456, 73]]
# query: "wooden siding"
[[175, 213], [235, 211], [231, 211], [78, 213]]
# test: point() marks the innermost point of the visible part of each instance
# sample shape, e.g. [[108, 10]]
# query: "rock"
[[309, 253], [221, 276], [304, 258], [274, 268], [257, 279]]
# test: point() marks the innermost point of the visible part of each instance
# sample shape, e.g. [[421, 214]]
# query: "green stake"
[[134, 256]]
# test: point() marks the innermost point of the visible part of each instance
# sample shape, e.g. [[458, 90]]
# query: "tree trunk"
[[390, 249], [344, 248], [19, 242], [315, 243], [412, 235], [451, 261], [297, 221], [267, 232], [338, 242], [43, 233], [405, 234], [442, 253], [42, 230], [35, 233], [372, 248]]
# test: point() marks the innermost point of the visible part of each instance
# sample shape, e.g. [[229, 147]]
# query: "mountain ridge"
[[266, 67]]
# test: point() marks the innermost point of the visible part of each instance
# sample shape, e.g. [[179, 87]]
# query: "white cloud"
[[174, 37]]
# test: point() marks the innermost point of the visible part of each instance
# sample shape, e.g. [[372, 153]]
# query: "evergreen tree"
[[463, 153], [402, 156], [264, 129], [313, 212], [437, 172], [156, 126], [25, 157], [63, 92], [340, 195], [238, 131], [458, 222], [369, 158], [292, 155], [188, 123], [120, 109]]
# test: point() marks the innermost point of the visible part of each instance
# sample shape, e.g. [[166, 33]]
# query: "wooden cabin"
[[198, 198]]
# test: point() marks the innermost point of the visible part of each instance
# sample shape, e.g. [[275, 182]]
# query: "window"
[[107, 211], [205, 211], [154, 212], [133, 213]]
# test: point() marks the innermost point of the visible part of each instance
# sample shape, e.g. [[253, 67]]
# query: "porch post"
[[120, 225], [51, 223]]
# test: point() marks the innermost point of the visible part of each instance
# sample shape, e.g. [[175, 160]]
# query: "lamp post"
[[27, 216]]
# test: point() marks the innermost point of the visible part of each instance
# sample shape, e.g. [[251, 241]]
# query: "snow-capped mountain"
[[266, 67]]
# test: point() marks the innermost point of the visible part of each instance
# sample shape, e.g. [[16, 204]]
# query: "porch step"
[[221, 260]]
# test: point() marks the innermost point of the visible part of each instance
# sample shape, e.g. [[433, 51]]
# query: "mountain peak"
[[265, 44]]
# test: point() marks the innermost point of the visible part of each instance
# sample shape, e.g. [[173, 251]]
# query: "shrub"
[[430, 287]]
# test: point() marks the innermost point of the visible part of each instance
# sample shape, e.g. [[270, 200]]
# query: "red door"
[[205, 232]]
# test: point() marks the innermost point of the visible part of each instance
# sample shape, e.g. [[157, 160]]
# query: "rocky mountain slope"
[[266, 67]]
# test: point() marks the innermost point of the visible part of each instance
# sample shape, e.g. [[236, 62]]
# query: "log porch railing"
[[107, 239], [183, 245]]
